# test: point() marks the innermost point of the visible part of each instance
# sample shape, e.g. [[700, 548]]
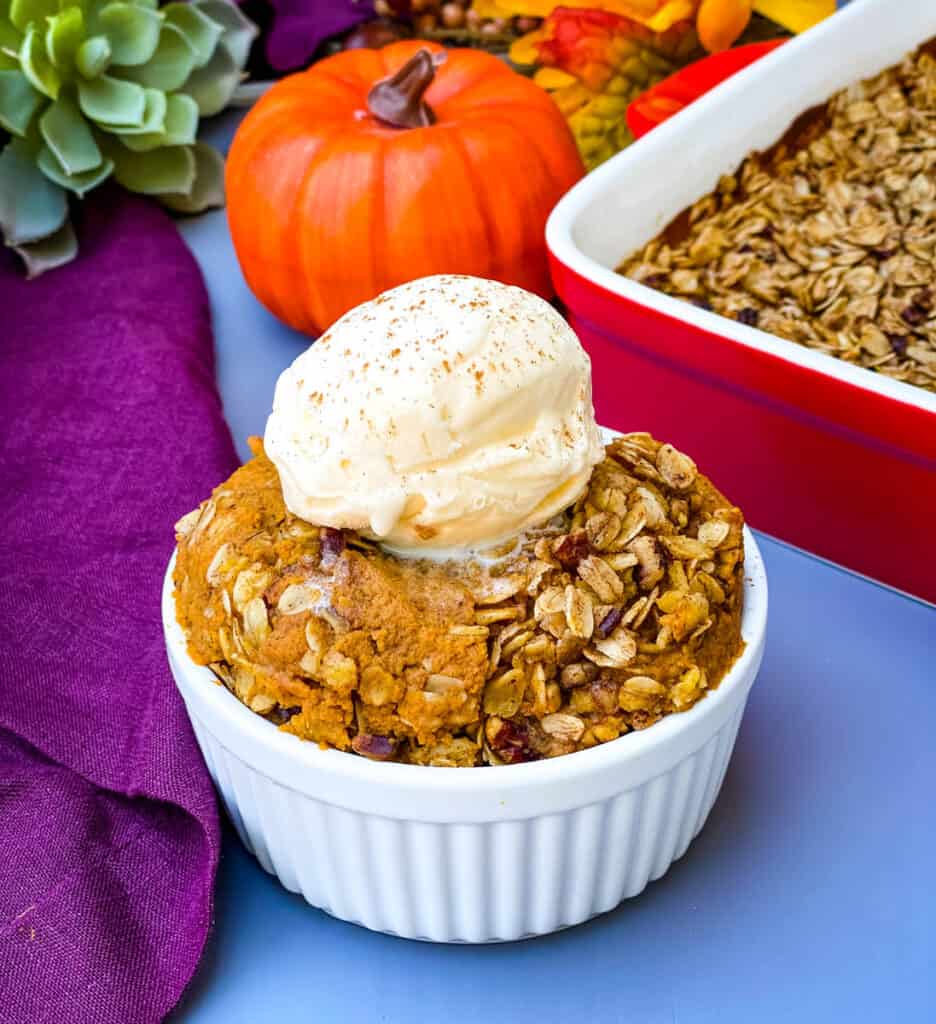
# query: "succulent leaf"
[[132, 31], [80, 184], [23, 12], [180, 127], [19, 101], [166, 170], [36, 64], [93, 57], [68, 136], [91, 89], [111, 101], [207, 190], [50, 252], [201, 32], [170, 65], [31, 206], [64, 35], [239, 31], [213, 85], [154, 115], [181, 119], [10, 39]]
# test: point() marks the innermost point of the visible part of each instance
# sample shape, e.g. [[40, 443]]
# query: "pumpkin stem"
[[398, 100]]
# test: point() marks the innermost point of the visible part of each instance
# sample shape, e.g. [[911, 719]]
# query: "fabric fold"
[[112, 429]]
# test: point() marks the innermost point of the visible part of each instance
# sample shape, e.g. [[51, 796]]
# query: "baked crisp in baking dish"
[[623, 609], [829, 239]]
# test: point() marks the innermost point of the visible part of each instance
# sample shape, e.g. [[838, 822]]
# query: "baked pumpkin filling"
[[622, 609]]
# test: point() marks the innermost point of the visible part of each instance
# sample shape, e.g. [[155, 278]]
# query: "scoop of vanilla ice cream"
[[449, 413]]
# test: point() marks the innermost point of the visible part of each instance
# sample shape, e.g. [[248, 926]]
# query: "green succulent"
[[94, 88]]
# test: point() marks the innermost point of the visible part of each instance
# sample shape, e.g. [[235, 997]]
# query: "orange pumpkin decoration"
[[375, 167]]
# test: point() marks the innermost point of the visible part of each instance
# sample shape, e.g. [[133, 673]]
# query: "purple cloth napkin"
[[301, 26], [111, 429]]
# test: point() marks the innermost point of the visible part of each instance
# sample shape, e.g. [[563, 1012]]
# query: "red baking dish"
[[824, 454], [665, 99]]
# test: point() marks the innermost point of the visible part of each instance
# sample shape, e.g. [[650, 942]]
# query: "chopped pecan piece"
[[571, 549]]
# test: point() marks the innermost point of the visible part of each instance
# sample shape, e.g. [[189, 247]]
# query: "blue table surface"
[[810, 895]]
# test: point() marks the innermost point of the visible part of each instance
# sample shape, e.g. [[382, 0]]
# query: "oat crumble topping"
[[622, 610], [830, 239]]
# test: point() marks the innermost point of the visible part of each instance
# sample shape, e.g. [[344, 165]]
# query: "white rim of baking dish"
[[675, 736], [560, 228]]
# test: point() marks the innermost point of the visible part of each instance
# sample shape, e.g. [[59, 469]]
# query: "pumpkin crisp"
[[623, 609], [828, 239]]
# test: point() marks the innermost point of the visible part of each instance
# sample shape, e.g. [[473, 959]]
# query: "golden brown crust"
[[624, 609]]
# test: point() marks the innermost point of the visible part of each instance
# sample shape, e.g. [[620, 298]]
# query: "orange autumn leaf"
[[594, 63], [592, 44]]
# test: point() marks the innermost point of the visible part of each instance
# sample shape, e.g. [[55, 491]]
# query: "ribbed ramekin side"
[[724, 741], [468, 853], [509, 879], [479, 882], [216, 758], [275, 830]]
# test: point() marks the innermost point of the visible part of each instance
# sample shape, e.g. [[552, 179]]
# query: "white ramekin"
[[470, 854]]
